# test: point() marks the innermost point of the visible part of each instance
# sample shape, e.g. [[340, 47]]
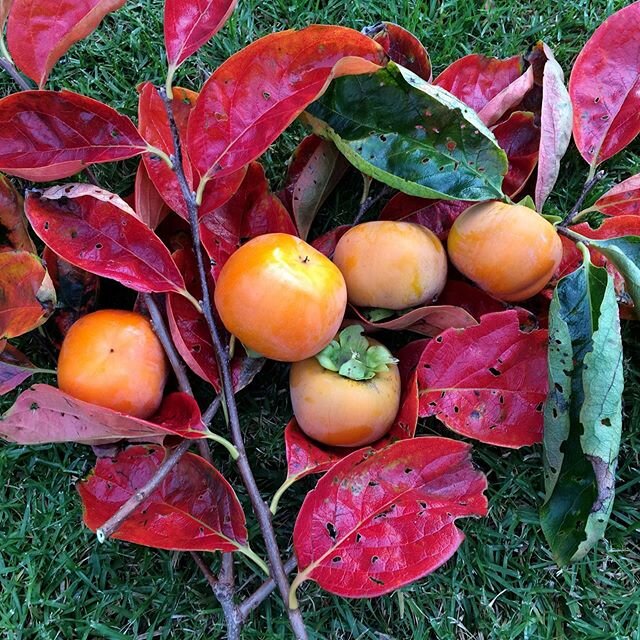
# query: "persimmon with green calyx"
[[349, 394], [113, 359], [391, 265], [508, 250], [281, 297]]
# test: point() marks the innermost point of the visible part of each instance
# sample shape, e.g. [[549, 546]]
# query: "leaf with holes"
[[193, 509], [15, 368], [379, 520], [97, 231], [252, 211], [46, 414], [252, 97], [13, 224], [621, 200], [604, 88], [49, 135], [414, 136], [188, 24], [27, 295], [583, 413], [487, 382], [315, 169], [148, 204], [402, 47]]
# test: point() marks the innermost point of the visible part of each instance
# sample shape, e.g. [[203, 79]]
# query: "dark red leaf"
[[252, 211], [604, 87], [256, 94], [621, 200], [511, 96], [40, 33], [326, 243], [487, 382], [148, 203], [380, 520], [46, 414], [437, 215], [194, 508], [476, 79], [188, 24], [27, 296], [15, 368], [520, 139], [48, 135], [97, 231], [315, 169], [469, 297], [402, 47], [13, 224]]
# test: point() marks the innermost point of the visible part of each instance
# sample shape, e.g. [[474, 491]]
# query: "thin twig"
[[260, 507], [16, 76], [369, 201], [211, 410], [572, 235], [588, 186]]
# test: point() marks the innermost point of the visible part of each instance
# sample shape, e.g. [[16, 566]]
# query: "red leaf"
[[476, 79], [194, 508], [257, 93], [13, 224], [437, 215], [604, 87], [427, 321], [315, 169], [148, 203], [380, 520], [188, 24], [48, 135], [97, 231], [326, 243], [487, 382], [46, 414], [520, 139], [252, 211], [27, 296], [469, 297], [621, 200], [511, 96], [40, 33], [402, 47], [15, 368]]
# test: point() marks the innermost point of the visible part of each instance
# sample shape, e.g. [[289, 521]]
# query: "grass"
[[56, 582]]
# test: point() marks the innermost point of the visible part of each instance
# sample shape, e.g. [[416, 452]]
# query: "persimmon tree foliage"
[[546, 371]]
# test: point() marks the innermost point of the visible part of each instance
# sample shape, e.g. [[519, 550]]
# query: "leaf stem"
[[154, 151], [260, 508], [278, 494], [171, 71], [252, 555], [591, 182], [233, 452]]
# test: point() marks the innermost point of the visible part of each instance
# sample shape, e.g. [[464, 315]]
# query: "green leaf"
[[411, 135], [527, 201], [583, 412]]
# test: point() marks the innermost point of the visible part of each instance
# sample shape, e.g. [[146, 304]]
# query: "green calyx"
[[353, 357]]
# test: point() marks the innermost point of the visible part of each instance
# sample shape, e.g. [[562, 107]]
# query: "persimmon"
[[349, 394], [114, 359], [281, 297], [508, 250], [393, 265]]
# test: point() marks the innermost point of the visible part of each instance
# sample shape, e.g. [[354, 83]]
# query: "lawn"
[[56, 581]]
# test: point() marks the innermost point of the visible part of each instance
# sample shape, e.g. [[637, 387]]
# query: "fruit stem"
[[278, 494]]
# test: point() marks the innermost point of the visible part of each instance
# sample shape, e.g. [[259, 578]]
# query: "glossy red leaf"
[[188, 24], [326, 243], [605, 87], [13, 224], [476, 79], [476, 301], [15, 368], [98, 232], [436, 215], [315, 169], [427, 321], [148, 203], [511, 96], [402, 47], [49, 135], [27, 296], [193, 509], [257, 93], [621, 200], [487, 382], [46, 414], [520, 139], [40, 33], [380, 520], [252, 211]]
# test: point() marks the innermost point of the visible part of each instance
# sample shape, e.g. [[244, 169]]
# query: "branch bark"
[[16, 76]]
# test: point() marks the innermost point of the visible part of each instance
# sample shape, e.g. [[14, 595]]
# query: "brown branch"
[[260, 507], [588, 186], [16, 76]]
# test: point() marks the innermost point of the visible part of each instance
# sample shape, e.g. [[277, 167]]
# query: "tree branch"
[[260, 507], [16, 76], [588, 186], [368, 201]]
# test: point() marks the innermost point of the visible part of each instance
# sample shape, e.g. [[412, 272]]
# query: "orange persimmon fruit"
[[113, 359]]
